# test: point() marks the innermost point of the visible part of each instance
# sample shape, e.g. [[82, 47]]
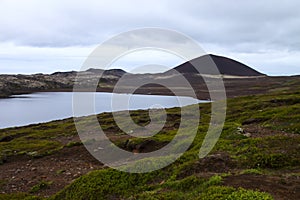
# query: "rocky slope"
[[58, 81]]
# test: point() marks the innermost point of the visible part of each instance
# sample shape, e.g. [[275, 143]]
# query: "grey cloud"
[[68, 23], [249, 27]]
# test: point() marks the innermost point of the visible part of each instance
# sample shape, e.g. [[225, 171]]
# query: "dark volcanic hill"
[[226, 66]]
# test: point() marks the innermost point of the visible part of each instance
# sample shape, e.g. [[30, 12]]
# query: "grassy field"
[[256, 157]]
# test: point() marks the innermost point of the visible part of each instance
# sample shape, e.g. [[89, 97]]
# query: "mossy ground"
[[272, 150]]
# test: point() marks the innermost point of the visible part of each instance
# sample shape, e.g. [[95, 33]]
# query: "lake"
[[40, 107]]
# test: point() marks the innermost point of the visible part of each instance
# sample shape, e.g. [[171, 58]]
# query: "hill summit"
[[226, 66]]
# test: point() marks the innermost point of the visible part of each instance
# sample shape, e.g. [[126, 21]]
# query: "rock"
[[32, 153], [240, 130], [129, 144], [3, 158], [142, 145], [135, 151], [7, 138], [33, 169], [247, 134]]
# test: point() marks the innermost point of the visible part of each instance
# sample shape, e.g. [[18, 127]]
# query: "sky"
[[54, 35]]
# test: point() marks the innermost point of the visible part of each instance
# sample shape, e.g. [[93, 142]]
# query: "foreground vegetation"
[[261, 136]]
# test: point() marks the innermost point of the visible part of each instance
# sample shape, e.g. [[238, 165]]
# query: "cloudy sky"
[[54, 35]]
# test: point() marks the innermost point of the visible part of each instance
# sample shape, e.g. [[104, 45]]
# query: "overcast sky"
[[55, 35]]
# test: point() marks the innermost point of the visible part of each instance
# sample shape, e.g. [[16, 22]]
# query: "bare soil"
[[280, 187], [21, 173]]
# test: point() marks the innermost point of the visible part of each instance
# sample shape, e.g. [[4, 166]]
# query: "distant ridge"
[[226, 66], [114, 72]]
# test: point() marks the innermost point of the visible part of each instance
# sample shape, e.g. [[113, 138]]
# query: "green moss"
[[72, 144], [268, 152], [60, 171], [252, 171], [107, 183], [243, 194], [278, 111], [216, 193], [185, 184], [35, 140], [40, 186], [229, 193]]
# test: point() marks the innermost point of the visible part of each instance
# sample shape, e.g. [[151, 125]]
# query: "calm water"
[[47, 106]]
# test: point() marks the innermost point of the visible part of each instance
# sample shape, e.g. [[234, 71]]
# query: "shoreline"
[[67, 116]]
